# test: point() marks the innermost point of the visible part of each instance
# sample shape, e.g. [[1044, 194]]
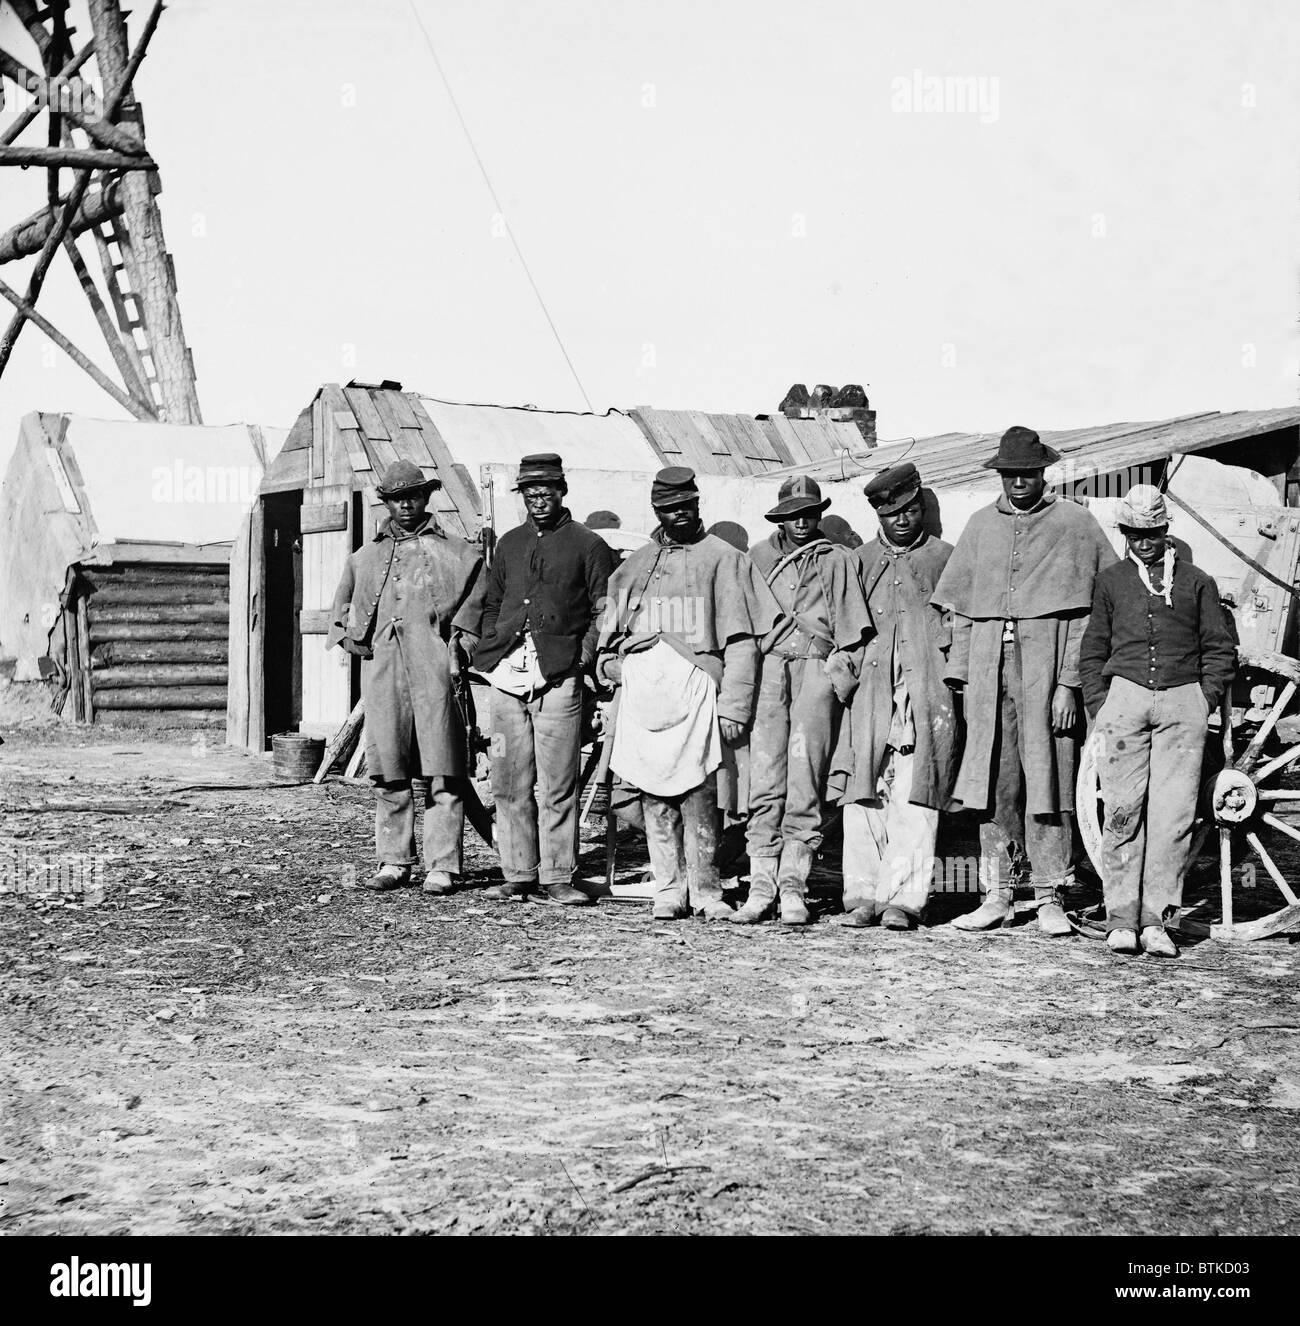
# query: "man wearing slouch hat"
[[407, 602], [1020, 584]]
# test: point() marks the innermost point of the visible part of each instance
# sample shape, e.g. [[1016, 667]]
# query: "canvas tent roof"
[[96, 490]]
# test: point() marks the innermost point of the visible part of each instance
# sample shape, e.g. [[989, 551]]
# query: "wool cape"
[[1036, 569]]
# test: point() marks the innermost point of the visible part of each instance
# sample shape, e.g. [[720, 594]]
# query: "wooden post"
[[150, 264], [83, 659]]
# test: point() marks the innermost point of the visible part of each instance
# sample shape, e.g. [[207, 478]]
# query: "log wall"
[[150, 638]]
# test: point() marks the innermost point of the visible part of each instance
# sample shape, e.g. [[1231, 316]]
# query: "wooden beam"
[[26, 118], [26, 311], [55, 237], [108, 136], [84, 158], [125, 364]]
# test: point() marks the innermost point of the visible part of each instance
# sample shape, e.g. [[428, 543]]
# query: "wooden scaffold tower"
[[101, 186]]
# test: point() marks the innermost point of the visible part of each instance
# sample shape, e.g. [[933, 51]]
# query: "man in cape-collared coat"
[[808, 672], [899, 761], [686, 614], [406, 603], [1020, 583]]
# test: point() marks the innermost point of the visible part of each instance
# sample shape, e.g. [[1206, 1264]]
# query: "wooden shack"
[[115, 544]]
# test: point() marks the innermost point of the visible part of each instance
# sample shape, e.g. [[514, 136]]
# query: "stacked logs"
[[152, 637]]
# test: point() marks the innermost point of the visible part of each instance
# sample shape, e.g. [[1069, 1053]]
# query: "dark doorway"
[[281, 603]]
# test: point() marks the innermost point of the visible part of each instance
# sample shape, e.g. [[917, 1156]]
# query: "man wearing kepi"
[[1155, 662], [541, 619], [1020, 583], [686, 613], [903, 733], [409, 603], [808, 672]]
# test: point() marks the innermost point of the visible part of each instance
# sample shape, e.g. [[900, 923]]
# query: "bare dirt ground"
[[236, 1039]]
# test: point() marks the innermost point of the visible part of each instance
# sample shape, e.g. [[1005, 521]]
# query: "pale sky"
[[717, 200]]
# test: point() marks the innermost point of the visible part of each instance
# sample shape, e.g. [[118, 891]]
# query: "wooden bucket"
[[296, 757]]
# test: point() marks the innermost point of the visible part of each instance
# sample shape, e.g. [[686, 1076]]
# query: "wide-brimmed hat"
[[543, 467], [1022, 449], [892, 489], [674, 486], [796, 494], [1142, 508], [404, 476]]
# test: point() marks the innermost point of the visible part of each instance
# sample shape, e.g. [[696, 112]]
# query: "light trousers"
[[444, 825]]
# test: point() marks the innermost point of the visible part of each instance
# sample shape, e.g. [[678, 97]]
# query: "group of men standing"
[[901, 679]]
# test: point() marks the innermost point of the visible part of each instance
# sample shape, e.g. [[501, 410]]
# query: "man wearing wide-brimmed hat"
[[900, 758], [1020, 582], [680, 639], [1155, 662], [407, 602], [541, 617], [808, 673]]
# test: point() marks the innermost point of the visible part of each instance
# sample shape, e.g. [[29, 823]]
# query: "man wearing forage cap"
[[900, 758], [680, 639], [541, 617], [1020, 583], [808, 673], [407, 602], [1155, 662]]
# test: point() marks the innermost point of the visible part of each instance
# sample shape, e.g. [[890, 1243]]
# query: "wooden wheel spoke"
[[1274, 872], [1252, 752], [1283, 827], [1225, 875], [1266, 771]]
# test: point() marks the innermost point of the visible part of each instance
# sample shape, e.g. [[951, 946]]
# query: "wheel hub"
[[1233, 797]]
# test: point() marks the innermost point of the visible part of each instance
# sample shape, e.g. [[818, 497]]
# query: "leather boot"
[[792, 882], [762, 891], [513, 890], [388, 877], [438, 882], [1051, 915], [567, 896], [997, 909]]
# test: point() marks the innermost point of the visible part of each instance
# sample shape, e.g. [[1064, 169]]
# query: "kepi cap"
[[674, 486], [543, 467], [892, 489]]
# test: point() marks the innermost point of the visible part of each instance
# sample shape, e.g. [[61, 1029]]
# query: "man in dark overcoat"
[[1020, 583], [409, 602], [900, 759]]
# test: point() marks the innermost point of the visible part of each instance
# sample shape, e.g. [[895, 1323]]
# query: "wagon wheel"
[[1242, 811]]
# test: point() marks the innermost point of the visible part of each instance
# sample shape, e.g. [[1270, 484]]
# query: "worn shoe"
[[567, 896], [792, 882], [858, 919], [1122, 941], [388, 877], [667, 911], [513, 890], [437, 882], [996, 909], [762, 892], [1156, 941], [895, 918], [717, 911], [1052, 919]]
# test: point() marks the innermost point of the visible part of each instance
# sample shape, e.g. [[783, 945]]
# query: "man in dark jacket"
[[1155, 662], [406, 603], [545, 595], [904, 740]]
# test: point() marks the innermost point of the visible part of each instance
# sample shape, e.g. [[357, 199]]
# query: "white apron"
[[666, 740]]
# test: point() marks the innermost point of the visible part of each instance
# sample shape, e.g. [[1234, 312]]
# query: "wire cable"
[[501, 211]]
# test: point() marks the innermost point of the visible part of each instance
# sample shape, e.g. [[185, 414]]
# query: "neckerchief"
[[1168, 569]]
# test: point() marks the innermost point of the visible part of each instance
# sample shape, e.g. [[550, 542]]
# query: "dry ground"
[[238, 1040]]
